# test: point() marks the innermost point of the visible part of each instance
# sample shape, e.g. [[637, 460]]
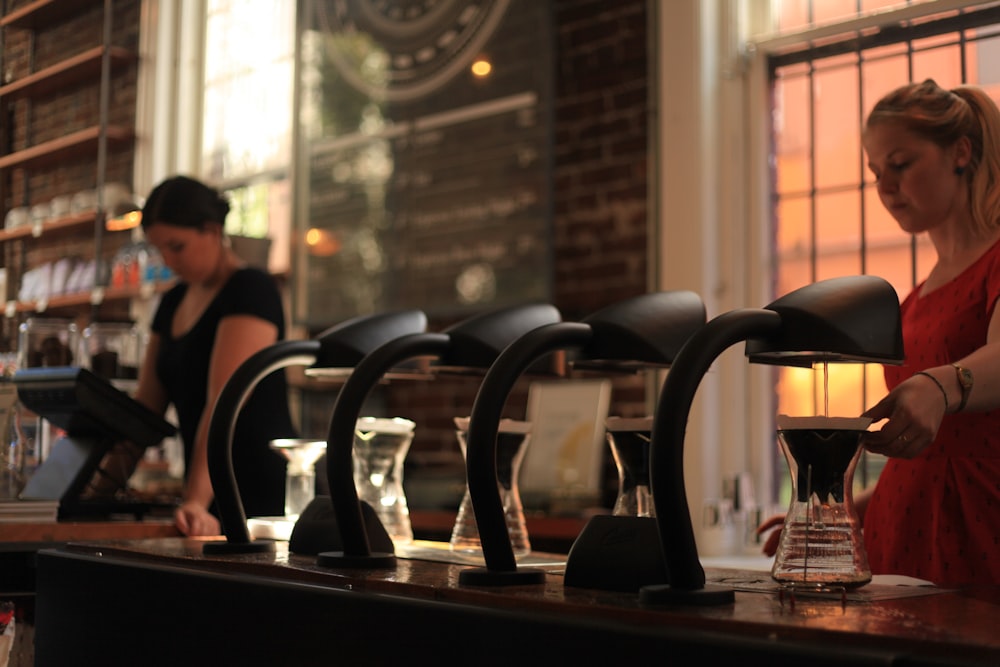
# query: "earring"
[[959, 170]]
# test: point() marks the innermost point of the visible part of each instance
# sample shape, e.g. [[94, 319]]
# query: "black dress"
[[182, 367]]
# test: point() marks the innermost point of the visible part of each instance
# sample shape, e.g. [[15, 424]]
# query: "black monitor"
[[94, 415]]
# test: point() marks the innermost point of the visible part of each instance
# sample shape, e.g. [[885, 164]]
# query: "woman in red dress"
[[935, 511]]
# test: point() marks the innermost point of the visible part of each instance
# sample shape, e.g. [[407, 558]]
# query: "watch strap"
[[965, 381]]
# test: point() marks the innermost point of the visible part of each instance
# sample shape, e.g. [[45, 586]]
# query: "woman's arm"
[[237, 338], [150, 391], [915, 408]]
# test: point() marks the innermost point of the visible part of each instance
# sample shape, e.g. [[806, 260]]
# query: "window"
[[828, 218], [246, 142]]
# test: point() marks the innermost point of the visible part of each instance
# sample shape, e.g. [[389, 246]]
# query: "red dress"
[[937, 516]]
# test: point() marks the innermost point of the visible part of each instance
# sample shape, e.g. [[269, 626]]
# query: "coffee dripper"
[[821, 544], [300, 472]]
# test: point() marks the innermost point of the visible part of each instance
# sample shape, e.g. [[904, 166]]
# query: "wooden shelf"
[[65, 223], [77, 68], [75, 143], [43, 13], [90, 297]]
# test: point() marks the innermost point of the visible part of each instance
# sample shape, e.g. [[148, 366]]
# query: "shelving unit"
[[94, 297], [49, 54]]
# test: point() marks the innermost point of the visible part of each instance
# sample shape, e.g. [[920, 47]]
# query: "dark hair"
[[945, 116], [184, 202]]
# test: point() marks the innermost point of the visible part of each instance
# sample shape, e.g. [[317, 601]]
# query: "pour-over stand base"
[[482, 576], [664, 594]]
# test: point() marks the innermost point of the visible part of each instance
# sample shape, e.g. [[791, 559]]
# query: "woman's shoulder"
[[251, 280], [251, 290], [251, 275], [993, 252], [988, 264]]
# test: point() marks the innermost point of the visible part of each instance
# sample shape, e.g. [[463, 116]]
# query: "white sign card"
[[567, 437]]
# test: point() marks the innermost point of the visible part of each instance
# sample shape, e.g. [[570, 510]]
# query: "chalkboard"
[[428, 186]]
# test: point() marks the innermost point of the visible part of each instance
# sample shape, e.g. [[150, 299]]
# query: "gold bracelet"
[[944, 392]]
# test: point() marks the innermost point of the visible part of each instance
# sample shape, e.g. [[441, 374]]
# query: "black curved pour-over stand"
[[470, 344], [643, 331], [220, 441], [340, 346], [843, 319], [666, 456], [481, 452], [354, 537]]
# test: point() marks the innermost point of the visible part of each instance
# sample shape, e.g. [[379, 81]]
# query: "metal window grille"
[[827, 215]]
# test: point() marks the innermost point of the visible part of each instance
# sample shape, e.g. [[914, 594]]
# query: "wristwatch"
[[965, 382]]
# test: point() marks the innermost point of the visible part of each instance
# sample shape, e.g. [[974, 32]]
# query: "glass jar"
[[112, 350], [46, 342]]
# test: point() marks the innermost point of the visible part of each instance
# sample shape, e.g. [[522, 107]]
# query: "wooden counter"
[[19, 541], [163, 600], [15, 534]]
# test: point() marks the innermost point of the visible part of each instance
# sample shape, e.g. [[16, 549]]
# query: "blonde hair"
[[944, 117]]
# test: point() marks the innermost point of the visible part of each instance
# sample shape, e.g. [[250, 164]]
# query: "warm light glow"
[[482, 67], [123, 222], [321, 242]]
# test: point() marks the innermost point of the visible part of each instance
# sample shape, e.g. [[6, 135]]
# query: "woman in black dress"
[[219, 313]]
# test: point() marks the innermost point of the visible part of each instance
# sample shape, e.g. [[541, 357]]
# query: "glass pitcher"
[[380, 446], [629, 442], [512, 443], [821, 543]]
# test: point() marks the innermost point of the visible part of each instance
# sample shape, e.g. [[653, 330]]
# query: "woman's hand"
[[773, 524], [914, 410], [194, 520]]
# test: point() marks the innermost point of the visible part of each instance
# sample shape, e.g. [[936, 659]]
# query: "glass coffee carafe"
[[821, 543], [629, 442], [512, 443], [380, 446]]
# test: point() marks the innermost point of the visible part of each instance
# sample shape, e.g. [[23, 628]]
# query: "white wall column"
[[171, 53], [705, 239]]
